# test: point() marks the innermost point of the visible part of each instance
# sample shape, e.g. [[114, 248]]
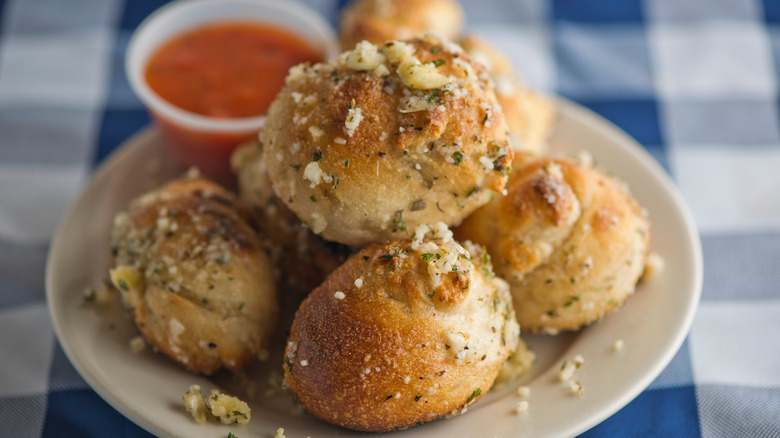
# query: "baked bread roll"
[[401, 334], [379, 21], [194, 276], [529, 115], [304, 259], [366, 147], [570, 240]]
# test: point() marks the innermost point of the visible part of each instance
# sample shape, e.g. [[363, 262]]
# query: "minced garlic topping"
[[138, 344], [554, 170], [313, 173], [354, 117], [364, 57], [519, 363], [441, 251], [413, 73], [194, 404], [566, 374], [126, 278], [654, 265], [228, 409], [224, 408], [319, 223], [457, 343]]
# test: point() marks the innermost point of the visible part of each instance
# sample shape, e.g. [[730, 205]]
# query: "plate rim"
[[633, 147], [592, 119]]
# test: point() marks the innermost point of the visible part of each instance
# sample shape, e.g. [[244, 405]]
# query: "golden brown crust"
[[194, 276], [529, 115], [303, 258], [416, 156], [378, 21], [399, 349], [570, 240]]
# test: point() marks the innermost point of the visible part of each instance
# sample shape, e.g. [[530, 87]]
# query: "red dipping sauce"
[[224, 71], [228, 70]]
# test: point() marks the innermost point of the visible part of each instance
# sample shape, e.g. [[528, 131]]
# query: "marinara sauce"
[[227, 70]]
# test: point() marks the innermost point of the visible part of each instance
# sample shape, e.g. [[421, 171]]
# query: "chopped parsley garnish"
[[427, 256], [243, 414], [398, 221], [458, 157], [477, 392], [123, 284], [435, 96], [231, 435], [437, 62], [313, 198], [434, 50], [386, 257], [346, 162]]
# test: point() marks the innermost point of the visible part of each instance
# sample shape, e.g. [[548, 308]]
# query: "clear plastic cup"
[[198, 140]]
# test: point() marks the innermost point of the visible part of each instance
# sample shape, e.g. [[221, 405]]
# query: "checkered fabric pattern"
[[694, 81]]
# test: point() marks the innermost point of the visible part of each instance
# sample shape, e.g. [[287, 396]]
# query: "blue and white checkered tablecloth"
[[695, 81]]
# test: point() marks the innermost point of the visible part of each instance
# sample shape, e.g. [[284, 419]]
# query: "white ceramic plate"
[[147, 388]]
